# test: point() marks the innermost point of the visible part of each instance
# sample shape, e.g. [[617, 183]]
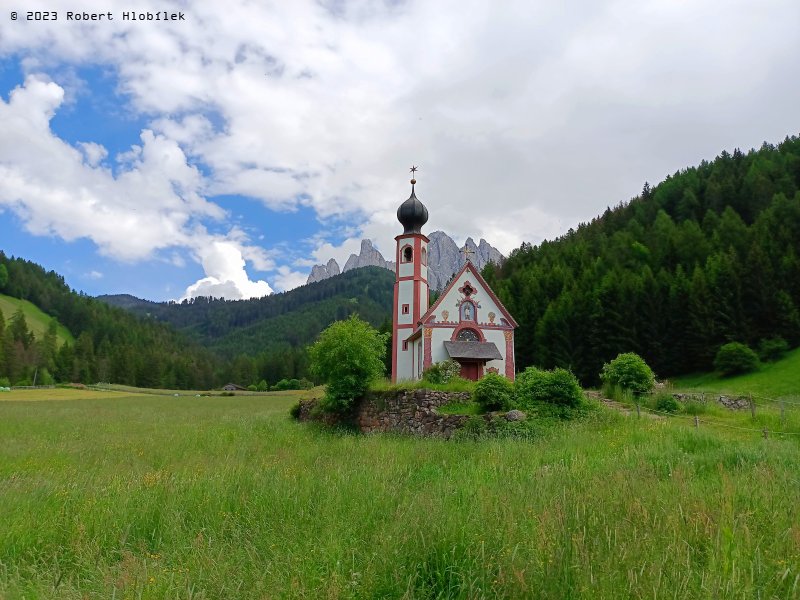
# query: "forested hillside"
[[110, 343], [266, 338], [292, 318], [709, 255]]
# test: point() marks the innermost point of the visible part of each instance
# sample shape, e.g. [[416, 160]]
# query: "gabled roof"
[[482, 282], [476, 350]]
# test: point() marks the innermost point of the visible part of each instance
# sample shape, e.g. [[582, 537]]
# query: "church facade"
[[468, 323]]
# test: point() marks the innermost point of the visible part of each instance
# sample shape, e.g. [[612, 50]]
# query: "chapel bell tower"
[[410, 284]]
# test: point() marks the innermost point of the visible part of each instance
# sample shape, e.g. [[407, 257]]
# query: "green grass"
[[163, 497], [457, 384], [37, 319], [780, 379]]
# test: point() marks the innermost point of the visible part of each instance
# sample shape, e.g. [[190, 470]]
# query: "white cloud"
[[226, 276], [526, 118], [286, 279], [94, 275]]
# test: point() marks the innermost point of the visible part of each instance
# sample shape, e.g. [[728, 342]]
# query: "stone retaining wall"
[[732, 402], [409, 411]]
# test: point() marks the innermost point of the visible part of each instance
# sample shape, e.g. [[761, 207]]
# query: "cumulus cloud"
[[226, 276], [153, 203]]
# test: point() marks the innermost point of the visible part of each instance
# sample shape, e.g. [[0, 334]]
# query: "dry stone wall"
[[408, 411]]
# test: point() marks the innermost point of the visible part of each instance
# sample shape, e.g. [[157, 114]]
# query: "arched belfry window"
[[423, 255], [468, 335], [408, 254]]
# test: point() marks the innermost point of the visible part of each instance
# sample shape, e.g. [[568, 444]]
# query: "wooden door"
[[469, 370]]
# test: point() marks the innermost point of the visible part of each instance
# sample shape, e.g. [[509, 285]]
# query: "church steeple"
[[412, 213]]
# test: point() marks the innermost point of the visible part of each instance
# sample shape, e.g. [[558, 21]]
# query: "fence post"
[[703, 397], [752, 406], [765, 433], [638, 414], [696, 422]]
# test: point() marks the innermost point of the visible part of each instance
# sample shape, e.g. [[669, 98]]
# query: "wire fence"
[[765, 432]]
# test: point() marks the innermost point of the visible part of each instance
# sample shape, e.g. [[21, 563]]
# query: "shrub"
[[442, 372], [666, 403], [772, 349], [347, 356], [629, 372], [5, 382], [295, 411], [558, 386], [252, 388], [734, 358], [262, 386], [494, 392]]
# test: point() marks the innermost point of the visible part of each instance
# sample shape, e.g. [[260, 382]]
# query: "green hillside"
[[708, 256], [773, 380], [290, 319], [37, 319], [110, 344]]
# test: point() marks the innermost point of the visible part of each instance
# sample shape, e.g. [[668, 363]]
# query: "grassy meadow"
[[36, 319], [780, 379], [123, 496]]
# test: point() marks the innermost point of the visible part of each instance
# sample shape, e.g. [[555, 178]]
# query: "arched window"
[[408, 254], [468, 335], [424, 256]]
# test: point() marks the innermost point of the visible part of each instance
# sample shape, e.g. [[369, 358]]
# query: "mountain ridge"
[[445, 259]]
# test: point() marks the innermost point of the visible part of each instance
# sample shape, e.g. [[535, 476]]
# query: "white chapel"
[[468, 323]]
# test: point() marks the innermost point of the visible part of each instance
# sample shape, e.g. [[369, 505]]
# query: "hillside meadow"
[[780, 379], [36, 319], [123, 496]]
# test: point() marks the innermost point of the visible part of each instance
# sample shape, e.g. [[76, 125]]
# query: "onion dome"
[[412, 213]]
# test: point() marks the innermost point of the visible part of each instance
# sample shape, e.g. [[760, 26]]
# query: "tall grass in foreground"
[[228, 498]]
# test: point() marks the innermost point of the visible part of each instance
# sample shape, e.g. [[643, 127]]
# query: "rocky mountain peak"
[[444, 259]]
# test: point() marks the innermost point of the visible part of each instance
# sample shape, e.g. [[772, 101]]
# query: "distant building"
[[468, 323], [232, 387]]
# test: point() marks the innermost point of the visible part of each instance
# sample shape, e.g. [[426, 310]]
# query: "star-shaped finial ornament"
[[414, 169]]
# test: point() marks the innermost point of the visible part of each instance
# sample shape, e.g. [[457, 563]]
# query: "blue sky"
[[228, 153]]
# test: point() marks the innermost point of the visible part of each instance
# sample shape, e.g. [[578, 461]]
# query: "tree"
[[348, 355], [3, 276], [629, 372]]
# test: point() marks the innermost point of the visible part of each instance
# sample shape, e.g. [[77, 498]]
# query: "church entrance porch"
[[471, 370]]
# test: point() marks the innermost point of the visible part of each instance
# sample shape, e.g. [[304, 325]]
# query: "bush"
[[347, 356], [252, 388], [772, 349], [5, 382], [494, 392], [262, 386], [666, 403], [628, 372], [558, 386], [735, 358], [442, 372], [286, 384], [295, 411]]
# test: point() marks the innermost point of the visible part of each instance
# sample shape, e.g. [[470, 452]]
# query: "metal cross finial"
[[413, 170], [467, 253]]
